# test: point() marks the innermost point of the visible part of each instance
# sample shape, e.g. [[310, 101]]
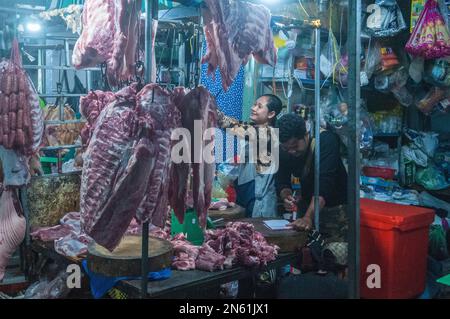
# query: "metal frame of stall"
[[354, 50], [354, 17]]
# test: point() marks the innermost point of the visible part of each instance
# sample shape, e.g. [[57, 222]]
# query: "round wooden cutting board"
[[125, 260]]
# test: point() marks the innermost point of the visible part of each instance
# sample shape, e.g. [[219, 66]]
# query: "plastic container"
[[395, 239], [191, 227], [382, 172]]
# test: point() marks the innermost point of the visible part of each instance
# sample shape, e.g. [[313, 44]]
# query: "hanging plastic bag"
[[373, 60], [416, 69], [342, 71], [330, 56], [431, 178], [430, 38], [437, 247], [414, 154], [395, 83], [427, 142], [386, 19], [427, 103]]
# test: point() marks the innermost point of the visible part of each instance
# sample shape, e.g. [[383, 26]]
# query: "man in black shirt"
[[297, 158]]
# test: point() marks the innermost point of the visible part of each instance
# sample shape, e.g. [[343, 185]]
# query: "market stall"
[[127, 128]]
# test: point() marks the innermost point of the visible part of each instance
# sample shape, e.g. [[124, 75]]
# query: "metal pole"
[[144, 260], [317, 129], [26, 215], [181, 60], [354, 51], [151, 7], [148, 39]]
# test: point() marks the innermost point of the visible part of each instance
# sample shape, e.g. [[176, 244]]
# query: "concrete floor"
[[312, 286]]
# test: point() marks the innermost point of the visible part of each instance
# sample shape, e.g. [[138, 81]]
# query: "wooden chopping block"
[[125, 260], [229, 214], [288, 240]]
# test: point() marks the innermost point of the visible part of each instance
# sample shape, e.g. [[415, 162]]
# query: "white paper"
[[277, 224]]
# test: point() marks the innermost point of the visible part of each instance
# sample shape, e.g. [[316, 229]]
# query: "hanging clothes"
[[229, 102]]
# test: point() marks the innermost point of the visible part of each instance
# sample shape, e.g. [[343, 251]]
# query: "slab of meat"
[[110, 34], [21, 118], [69, 223], [90, 107], [116, 170], [199, 105], [185, 254], [51, 233], [156, 102], [72, 245], [12, 229], [233, 30], [209, 260]]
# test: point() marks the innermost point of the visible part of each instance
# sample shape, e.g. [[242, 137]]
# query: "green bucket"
[[46, 163], [190, 227]]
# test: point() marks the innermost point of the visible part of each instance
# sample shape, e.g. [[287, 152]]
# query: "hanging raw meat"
[[12, 229], [234, 30], [90, 107], [110, 34], [116, 170], [22, 122], [156, 102], [199, 105]]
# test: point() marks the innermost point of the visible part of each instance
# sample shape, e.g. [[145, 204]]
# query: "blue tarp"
[[100, 284]]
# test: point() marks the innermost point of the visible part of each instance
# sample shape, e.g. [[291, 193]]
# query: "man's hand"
[[289, 203], [288, 199], [304, 223]]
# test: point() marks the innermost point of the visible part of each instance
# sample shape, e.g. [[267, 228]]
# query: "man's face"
[[295, 146]]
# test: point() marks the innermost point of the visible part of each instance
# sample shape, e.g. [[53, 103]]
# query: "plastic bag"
[[217, 191], [430, 38], [395, 83], [373, 60], [416, 69], [227, 173], [431, 178], [433, 97], [427, 142], [415, 155], [330, 56], [438, 72], [386, 20], [437, 247], [342, 70], [45, 289]]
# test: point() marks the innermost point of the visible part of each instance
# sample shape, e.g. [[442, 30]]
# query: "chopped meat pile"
[[237, 244]]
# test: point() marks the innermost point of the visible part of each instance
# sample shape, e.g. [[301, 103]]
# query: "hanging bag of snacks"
[[430, 38], [386, 19]]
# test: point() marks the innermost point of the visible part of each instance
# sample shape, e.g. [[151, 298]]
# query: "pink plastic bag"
[[430, 38]]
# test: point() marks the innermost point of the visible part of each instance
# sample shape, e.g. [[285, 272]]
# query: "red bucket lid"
[[394, 215]]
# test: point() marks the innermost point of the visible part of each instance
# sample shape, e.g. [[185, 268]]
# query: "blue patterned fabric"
[[229, 102]]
